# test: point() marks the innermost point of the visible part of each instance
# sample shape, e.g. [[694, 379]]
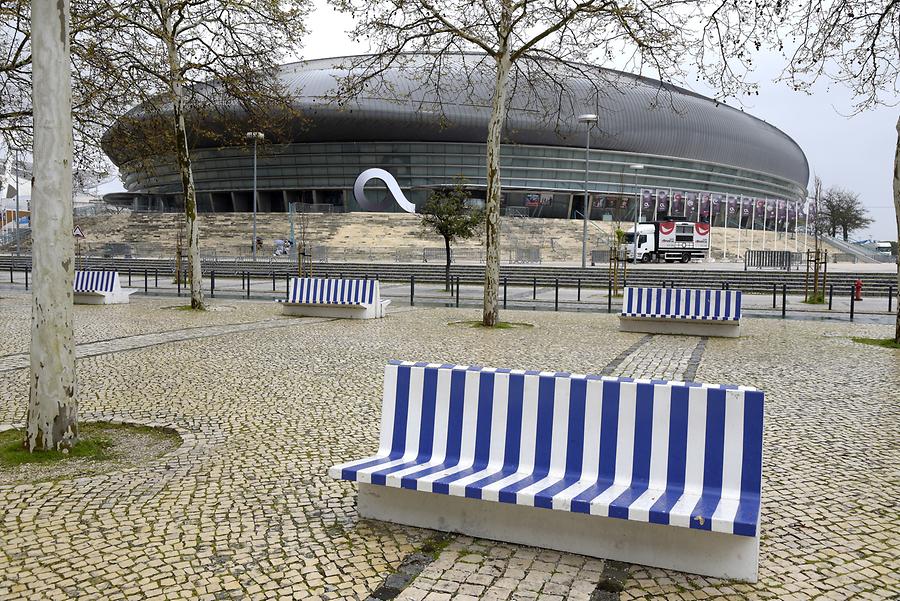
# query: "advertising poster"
[[646, 204], [718, 200], [662, 203], [704, 206], [732, 206], [690, 205], [760, 209], [678, 203]]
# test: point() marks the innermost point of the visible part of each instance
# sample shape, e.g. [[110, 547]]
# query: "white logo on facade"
[[393, 187]]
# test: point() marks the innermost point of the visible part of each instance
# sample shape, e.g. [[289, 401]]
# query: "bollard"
[[10, 273], [412, 291], [774, 292], [783, 300], [287, 287], [504, 292], [248, 284], [129, 277], [273, 280], [145, 281], [457, 291], [156, 277], [852, 301], [212, 284], [609, 297], [579, 289], [26, 278], [556, 296], [534, 289], [890, 299], [178, 281], [243, 275], [830, 295]]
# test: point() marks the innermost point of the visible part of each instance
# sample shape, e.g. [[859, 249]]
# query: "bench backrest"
[[333, 291], [96, 281], [682, 303], [658, 434]]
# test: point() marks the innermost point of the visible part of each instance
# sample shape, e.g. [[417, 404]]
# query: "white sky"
[[853, 152]]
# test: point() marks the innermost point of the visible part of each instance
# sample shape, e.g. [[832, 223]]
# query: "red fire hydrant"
[[858, 287]]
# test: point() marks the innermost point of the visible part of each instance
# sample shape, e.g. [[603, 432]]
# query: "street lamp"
[[256, 136], [637, 208], [590, 119]]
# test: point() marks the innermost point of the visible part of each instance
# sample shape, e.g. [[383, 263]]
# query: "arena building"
[[683, 155]]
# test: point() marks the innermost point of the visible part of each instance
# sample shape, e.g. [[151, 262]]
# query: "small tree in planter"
[[446, 213]]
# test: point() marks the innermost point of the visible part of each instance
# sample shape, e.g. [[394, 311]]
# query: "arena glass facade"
[[542, 175]]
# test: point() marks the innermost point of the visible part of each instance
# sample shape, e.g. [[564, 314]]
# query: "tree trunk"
[[195, 272], [447, 269], [52, 421], [897, 217], [846, 236], [491, 309]]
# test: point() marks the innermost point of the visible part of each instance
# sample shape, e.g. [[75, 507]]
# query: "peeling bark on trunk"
[[491, 309], [447, 268], [52, 421], [195, 272], [897, 217]]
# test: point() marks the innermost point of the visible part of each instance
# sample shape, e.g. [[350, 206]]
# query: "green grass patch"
[[92, 445], [815, 300], [436, 543], [884, 342]]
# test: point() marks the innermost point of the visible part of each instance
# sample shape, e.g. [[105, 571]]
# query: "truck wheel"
[[686, 258], [646, 258]]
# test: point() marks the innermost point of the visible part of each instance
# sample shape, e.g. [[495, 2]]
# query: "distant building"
[[700, 152]]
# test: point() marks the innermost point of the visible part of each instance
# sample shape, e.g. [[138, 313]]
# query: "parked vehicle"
[[668, 240]]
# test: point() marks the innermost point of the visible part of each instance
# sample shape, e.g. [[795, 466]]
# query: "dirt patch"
[[103, 447]]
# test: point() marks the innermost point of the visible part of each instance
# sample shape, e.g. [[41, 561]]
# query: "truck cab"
[[646, 245]]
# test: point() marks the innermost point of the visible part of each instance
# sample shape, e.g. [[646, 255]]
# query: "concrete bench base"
[[119, 297], [684, 549], [684, 327], [339, 311]]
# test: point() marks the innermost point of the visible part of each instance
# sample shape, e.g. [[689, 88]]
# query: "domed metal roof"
[[636, 114]]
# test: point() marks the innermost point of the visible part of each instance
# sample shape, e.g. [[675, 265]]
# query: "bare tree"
[[532, 50], [16, 124], [52, 421], [843, 210], [197, 67], [857, 43]]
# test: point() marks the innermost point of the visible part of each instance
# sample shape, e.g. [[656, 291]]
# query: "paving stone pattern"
[[248, 512]]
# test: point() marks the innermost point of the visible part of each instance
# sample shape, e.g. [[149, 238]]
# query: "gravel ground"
[[245, 510]]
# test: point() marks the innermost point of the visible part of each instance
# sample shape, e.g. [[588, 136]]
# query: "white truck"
[[668, 240]]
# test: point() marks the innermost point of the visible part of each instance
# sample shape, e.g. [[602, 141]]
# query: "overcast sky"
[[853, 152]]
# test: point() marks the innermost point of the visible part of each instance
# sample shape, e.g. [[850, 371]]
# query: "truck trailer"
[[669, 241]]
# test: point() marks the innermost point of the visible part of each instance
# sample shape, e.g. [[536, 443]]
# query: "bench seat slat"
[[669, 453]]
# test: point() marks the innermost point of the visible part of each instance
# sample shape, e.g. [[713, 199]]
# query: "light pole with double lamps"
[[637, 208], [590, 119], [256, 136]]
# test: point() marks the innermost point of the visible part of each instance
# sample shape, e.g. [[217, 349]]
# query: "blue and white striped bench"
[[691, 311], [99, 288], [652, 472], [331, 297]]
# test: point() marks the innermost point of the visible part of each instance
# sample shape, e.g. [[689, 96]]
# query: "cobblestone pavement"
[[247, 511]]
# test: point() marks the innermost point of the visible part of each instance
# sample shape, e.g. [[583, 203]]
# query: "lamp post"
[[16, 169], [590, 119], [256, 136], [637, 208]]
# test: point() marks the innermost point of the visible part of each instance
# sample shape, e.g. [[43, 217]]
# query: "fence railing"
[[770, 259]]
